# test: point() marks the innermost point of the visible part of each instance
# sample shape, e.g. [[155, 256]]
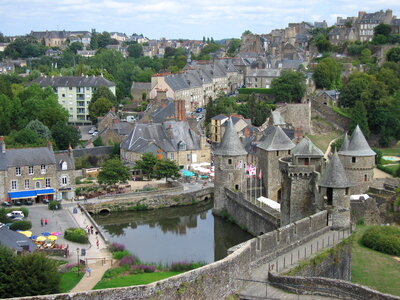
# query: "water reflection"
[[173, 234]]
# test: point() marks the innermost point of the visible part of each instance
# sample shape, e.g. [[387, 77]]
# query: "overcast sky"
[[190, 19]]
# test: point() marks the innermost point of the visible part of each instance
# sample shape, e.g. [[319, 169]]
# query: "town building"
[[74, 93], [368, 21], [36, 174]]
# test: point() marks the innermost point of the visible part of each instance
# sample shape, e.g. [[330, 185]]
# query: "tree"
[[234, 46], [103, 39], [26, 136], [99, 108], [383, 29], [94, 40], [135, 50], [166, 168], [6, 114], [379, 39], [246, 32], [65, 135], [359, 117], [327, 73], [146, 164], [112, 172], [75, 46], [356, 85], [27, 275], [103, 92], [393, 55], [289, 87]]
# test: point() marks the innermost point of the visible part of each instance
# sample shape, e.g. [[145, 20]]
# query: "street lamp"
[[77, 253]]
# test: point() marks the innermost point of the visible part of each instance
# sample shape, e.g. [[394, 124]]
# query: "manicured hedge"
[[21, 225], [384, 239], [54, 205], [77, 235], [248, 91]]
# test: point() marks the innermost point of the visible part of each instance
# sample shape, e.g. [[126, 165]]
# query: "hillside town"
[[283, 147]]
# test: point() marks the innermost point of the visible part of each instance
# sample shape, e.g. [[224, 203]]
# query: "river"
[[185, 233]]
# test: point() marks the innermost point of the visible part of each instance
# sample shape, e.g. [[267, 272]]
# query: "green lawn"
[[69, 280], [322, 141], [395, 150], [133, 279], [374, 269]]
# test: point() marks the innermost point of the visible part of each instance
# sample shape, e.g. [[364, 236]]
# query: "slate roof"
[[96, 151], [219, 117], [358, 145], [166, 136], [26, 157], [230, 144], [306, 148], [15, 240], [335, 175], [72, 81], [276, 140], [265, 73], [277, 118], [64, 156], [376, 17], [345, 144]]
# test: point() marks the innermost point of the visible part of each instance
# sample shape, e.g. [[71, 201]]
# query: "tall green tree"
[[359, 117], [393, 55], [99, 108], [166, 168], [6, 114], [383, 29], [327, 73], [135, 50], [42, 130], [289, 87], [146, 164], [103, 92], [113, 172], [65, 135]]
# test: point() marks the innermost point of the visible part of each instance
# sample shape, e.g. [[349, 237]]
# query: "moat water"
[[188, 233]]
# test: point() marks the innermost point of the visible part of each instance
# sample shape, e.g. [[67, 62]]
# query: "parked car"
[[17, 203], [5, 204], [199, 110], [95, 133], [92, 130], [16, 214], [45, 201], [28, 202]]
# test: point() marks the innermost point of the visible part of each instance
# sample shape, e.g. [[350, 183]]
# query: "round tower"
[[358, 160], [299, 176], [229, 161], [334, 189]]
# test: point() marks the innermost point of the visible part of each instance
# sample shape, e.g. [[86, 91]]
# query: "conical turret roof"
[[358, 145], [230, 144], [346, 142], [335, 176], [307, 148], [276, 140]]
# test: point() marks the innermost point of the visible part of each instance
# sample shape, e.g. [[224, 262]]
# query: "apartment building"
[[74, 93]]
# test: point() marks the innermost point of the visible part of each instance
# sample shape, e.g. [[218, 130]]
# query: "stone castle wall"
[[327, 113], [216, 280], [361, 173], [298, 115]]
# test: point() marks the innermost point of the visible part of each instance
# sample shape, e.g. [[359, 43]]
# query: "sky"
[[190, 19]]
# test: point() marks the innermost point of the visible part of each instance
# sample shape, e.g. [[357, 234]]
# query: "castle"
[[298, 177]]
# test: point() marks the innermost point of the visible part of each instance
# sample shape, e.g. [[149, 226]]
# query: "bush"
[[248, 91], [78, 180], [384, 239], [120, 254], [21, 225], [127, 260], [77, 235], [145, 268], [115, 272], [24, 210], [185, 266], [54, 205], [114, 247]]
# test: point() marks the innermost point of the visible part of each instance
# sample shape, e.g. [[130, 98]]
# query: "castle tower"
[[300, 173], [358, 160], [275, 145], [229, 160], [334, 188]]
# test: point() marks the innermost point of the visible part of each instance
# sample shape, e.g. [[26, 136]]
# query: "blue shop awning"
[[21, 195], [44, 192]]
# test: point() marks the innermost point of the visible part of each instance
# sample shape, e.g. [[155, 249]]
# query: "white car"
[[16, 214], [92, 130]]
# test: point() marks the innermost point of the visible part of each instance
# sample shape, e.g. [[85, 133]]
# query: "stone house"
[[51, 38], [339, 35], [36, 174], [6, 68], [112, 130], [174, 140], [261, 78], [368, 21], [328, 97], [138, 89]]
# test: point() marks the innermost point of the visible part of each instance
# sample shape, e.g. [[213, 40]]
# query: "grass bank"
[[69, 280], [322, 140], [374, 269], [133, 279], [394, 150]]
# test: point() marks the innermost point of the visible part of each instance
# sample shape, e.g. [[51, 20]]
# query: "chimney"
[[203, 141], [298, 134], [180, 110], [50, 145], [70, 151], [2, 144]]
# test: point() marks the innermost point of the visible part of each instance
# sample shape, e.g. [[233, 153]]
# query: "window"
[[64, 180], [172, 156], [347, 191], [37, 184], [329, 196], [13, 185], [229, 161], [64, 165], [47, 182], [63, 95], [353, 159], [188, 157], [288, 152], [70, 88], [30, 170], [277, 153], [27, 183], [306, 161], [18, 171], [43, 169], [365, 177], [181, 146]]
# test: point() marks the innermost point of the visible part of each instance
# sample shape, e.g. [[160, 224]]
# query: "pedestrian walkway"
[[258, 288], [99, 259]]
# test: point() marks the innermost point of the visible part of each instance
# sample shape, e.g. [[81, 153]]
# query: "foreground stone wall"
[[327, 287]]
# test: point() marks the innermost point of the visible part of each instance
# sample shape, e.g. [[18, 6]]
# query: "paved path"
[[284, 263]]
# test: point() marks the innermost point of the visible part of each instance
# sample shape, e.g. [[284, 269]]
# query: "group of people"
[[89, 230], [44, 221]]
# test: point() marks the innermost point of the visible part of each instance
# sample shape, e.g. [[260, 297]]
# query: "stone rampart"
[[297, 115], [216, 280], [327, 287], [326, 112]]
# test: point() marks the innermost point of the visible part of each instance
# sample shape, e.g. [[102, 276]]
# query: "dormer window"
[[63, 165], [181, 146]]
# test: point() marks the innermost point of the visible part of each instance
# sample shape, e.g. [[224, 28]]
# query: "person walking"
[[97, 244], [91, 229], [89, 271], [41, 222], [46, 221]]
